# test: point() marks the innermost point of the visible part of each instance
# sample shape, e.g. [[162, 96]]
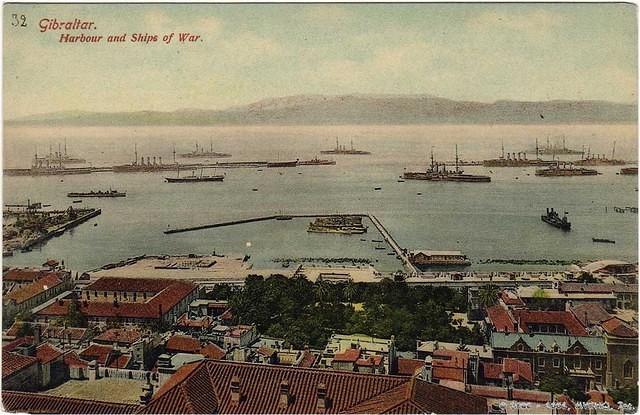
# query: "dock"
[[386, 235], [59, 230]]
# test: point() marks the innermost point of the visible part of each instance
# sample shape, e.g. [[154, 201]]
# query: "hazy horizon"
[[250, 52]]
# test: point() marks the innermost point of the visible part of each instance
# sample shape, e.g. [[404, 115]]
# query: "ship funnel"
[[148, 161], [154, 160], [160, 160]]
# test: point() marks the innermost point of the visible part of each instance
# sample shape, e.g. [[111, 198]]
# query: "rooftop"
[[593, 345], [14, 362], [125, 336], [618, 328], [205, 387], [38, 403], [23, 274], [37, 287], [179, 343]]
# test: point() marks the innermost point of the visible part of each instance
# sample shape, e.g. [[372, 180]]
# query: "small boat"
[[379, 247], [419, 194], [77, 201], [603, 240], [377, 241], [553, 219], [377, 188], [95, 224], [400, 181], [284, 217], [254, 190], [363, 240]]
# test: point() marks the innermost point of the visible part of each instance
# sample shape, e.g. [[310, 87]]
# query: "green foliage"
[[628, 395], [559, 382], [587, 278], [488, 295], [306, 313], [74, 317], [25, 330]]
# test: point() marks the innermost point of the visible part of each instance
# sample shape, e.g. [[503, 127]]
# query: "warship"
[[99, 193], [60, 157], [599, 159], [316, 162], [342, 149], [629, 171], [439, 172], [566, 169], [200, 152], [554, 149], [148, 166], [194, 178], [521, 160]]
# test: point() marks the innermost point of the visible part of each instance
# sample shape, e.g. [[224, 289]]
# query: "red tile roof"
[[124, 336], [308, 359], [204, 387], [36, 403], [511, 298], [601, 397], [101, 354], [23, 275], [165, 300], [449, 364], [120, 362], [500, 318], [47, 353], [590, 313], [182, 344], [14, 362], [16, 326], [20, 341], [564, 318], [408, 367], [200, 323], [39, 286], [350, 355], [213, 351], [72, 359], [498, 392], [616, 327], [74, 333], [519, 368], [599, 288], [153, 285]]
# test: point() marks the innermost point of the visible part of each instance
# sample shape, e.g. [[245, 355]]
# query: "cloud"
[[533, 22]]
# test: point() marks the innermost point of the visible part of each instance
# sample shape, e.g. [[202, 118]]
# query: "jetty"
[[401, 253]]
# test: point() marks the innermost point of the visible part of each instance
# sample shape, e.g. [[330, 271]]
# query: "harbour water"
[[500, 219]]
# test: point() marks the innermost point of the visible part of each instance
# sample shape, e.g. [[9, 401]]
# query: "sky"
[[248, 52]]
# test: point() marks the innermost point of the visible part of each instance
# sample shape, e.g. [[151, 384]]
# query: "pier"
[[60, 229], [386, 235]]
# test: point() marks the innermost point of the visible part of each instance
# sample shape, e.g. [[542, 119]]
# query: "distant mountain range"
[[358, 109]]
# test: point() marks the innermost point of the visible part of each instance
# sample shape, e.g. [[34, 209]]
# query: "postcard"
[[320, 208]]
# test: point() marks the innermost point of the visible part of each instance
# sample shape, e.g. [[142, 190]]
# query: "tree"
[[559, 383], [74, 317], [488, 295], [350, 290], [628, 395], [321, 290]]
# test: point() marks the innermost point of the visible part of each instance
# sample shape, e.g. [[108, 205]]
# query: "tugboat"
[[194, 179], [439, 172], [99, 193], [553, 219]]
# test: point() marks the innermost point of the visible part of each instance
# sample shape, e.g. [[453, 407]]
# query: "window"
[[628, 369], [541, 361], [556, 348], [520, 347], [577, 363], [556, 362], [598, 364]]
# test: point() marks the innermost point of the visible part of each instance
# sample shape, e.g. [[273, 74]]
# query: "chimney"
[[323, 402], [284, 398], [235, 390], [36, 334]]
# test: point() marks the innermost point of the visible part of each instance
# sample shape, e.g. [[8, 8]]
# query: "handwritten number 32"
[[18, 21]]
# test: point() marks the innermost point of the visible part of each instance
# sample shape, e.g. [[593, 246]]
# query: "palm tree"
[[349, 291], [488, 295], [322, 290]]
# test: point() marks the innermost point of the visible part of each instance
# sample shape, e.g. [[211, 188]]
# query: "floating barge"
[[346, 225], [630, 171]]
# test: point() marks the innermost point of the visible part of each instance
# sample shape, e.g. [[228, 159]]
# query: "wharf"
[[386, 235], [144, 168], [60, 229]]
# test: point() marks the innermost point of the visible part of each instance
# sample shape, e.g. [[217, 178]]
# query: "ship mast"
[[174, 154], [211, 145], [613, 152], [502, 156], [457, 170], [135, 153], [537, 151]]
